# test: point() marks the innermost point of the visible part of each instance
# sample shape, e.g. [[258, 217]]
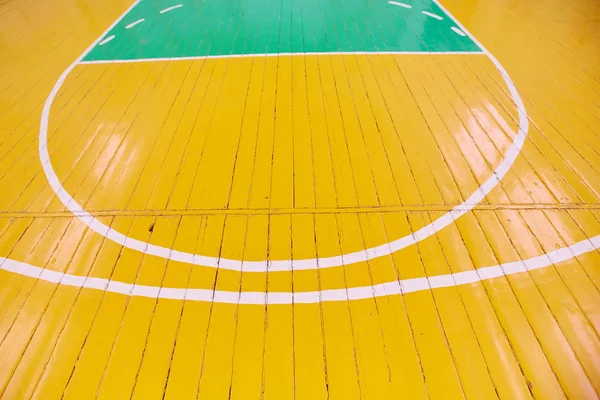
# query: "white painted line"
[[131, 25], [455, 29], [108, 39], [171, 8], [432, 15], [400, 287], [283, 265], [403, 286], [331, 53], [400, 4]]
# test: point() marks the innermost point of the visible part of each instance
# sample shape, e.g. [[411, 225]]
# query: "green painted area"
[[228, 27]]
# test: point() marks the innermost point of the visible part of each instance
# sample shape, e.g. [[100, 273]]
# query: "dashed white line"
[[461, 33], [171, 8], [432, 15], [131, 25], [108, 39], [400, 4]]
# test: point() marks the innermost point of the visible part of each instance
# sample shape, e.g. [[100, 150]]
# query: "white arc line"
[[400, 4], [455, 29], [108, 39], [432, 15], [400, 287], [171, 8], [131, 25], [284, 265], [390, 288]]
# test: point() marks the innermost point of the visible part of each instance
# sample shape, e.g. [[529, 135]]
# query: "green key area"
[[234, 27]]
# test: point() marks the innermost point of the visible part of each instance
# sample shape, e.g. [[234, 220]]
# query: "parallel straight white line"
[[432, 15], [331, 53], [171, 8], [455, 29], [108, 39], [131, 25], [400, 4], [399, 287]]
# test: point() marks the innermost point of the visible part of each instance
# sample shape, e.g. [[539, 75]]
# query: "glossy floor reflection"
[[310, 199]]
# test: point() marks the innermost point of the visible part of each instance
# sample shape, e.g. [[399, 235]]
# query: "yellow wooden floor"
[[301, 226]]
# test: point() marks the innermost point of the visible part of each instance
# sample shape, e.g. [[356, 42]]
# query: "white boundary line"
[[350, 53], [283, 265], [400, 287]]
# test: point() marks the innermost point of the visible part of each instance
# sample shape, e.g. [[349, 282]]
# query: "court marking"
[[139, 21], [297, 54], [131, 25], [400, 4], [398, 287], [432, 15], [166, 10], [108, 39], [406, 286], [403, 32], [455, 29], [283, 265]]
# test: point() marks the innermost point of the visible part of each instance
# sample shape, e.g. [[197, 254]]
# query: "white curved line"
[[131, 25], [108, 39], [170, 8], [283, 265], [356, 293]]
